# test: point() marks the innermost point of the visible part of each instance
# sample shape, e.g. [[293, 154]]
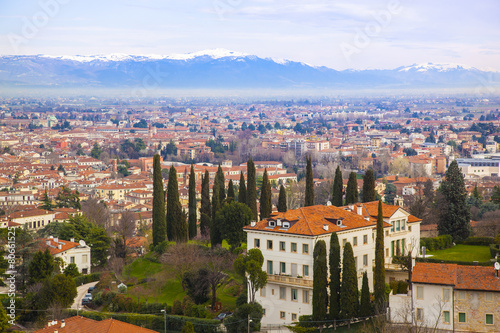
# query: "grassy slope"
[[463, 253]]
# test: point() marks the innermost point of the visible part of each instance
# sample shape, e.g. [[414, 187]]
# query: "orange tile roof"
[[79, 324], [428, 273], [54, 247]]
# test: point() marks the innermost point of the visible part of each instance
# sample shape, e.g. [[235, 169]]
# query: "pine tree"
[[47, 203], [475, 193], [205, 207], [177, 229], [252, 188], [265, 197], [352, 195], [454, 217], [309, 194], [215, 234], [320, 297], [159, 219], [230, 190], [222, 185], [365, 308], [192, 204], [337, 188], [335, 269], [369, 186], [242, 193], [349, 290], [379, 269], [282, 200]]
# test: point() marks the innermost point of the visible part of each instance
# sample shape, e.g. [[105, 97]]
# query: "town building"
[[69, 251]]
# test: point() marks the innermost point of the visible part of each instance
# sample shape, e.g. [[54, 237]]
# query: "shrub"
[[484, 241], [402, 287], [437, 243], [494, 250], [83, 279], [177, 308], [497, 239]]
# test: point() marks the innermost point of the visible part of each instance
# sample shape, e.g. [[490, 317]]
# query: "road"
[[81, 291]]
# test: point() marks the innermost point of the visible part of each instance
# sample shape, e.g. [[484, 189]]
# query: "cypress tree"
[[335, 269], [252, 188], [192, 204], [369, 186], [265, 197], [349, 289], [222, 185], [215, 235], [177, 229], [242, 193], [337, 188], [454, 216], [352, 195], [282, 200], [379, 269], [320, 297], [159, 220], [205, 209], [365, 308], [309, 194], [230, 190]]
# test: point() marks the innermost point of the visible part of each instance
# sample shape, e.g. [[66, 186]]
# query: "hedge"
[[437, 243], [155, 322], [494, 250], [467, 263], [83, 279], [484, 241], [399, 287]]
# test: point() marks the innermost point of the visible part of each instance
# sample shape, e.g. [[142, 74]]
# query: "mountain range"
[[223, 69]]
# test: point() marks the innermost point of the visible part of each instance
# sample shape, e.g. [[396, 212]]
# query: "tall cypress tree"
[[320, 272], [365, 307], [215, 234], [379, 269], [252, 188], [335, 269], [265, 197], [309, 194], [349, 299], [369, 186], [282, 200], [230, 190], [242, 193], [352, 195], [222, 185], [338, 186], [205, 207], [454, 216], [192, 204], [176, 223], [159, 219]]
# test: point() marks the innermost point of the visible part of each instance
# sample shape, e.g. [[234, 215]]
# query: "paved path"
[[81, 291]]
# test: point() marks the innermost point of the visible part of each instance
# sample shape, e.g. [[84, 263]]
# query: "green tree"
[[41, 267], [71, 270], [338, 186], [282, 200], [47, 203], [68, 199], [63, 289], [177, 229], [4, 320], [188, 328], [495, 195], [349, 289], [192, 204], [249, 266], [238, 322], [230, 220], [351, 194], [99, 243], [205, 209], [369, 186], [454, 213], [379, 269], [309, 193], [215, 232], [390, 193], [230, 190], [365, 308], [320, 297], [251, 192], [96, 151], [159, 217], [475, 193], [266, 205], [335, 269], [242, 194], [222, 185]]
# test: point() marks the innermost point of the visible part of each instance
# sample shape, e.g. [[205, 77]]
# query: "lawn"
[[463, 253], [142, 268]]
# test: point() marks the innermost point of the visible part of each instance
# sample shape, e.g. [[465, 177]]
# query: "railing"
[[289, 280]]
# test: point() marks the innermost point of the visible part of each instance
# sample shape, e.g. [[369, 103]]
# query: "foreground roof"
[[79, 324]]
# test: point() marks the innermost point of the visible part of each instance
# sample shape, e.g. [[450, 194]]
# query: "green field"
[[463, 253]]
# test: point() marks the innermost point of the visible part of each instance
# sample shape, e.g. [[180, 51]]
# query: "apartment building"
[[69, 251]]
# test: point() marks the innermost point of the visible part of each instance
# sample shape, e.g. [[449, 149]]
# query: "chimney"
[[278, 222], [360, 210], [253, 223], [59, 247], [72, 239], [56, 239], [48, 242], [63, 323], [325, 226]]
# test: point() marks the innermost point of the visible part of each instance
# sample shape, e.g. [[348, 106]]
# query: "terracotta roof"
[[54, 247], [79, 324], [428, 273]]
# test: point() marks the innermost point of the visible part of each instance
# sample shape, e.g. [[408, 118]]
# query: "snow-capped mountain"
[[223, 69]]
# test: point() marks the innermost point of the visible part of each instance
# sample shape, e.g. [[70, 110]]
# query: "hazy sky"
[[335, 33]]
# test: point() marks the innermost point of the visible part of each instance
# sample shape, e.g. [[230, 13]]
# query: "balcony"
[[288, 280]]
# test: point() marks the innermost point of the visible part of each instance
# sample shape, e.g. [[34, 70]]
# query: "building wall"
[[81, 257], [475, 305], [433, 304]]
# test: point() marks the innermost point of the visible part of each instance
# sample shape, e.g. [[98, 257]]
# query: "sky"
[[338, 34]]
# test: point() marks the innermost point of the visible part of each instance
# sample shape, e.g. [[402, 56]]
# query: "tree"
[[230, 190], [47, 203], [176, 223], [217, 261], [251, 192], [335, 269], [188, 328], [266, 206], [68, 199], [309, 194], [365, 307], [71, 270], [97, 212], [390, 193], [349, 289], [320, 299], [369, 186], [196, 285], [242, 194], [96, 151], [230, 221], [192, 204], [454, 217], [379, 269], [338, 186], [205, 209], [4, 320], [282, 200], [159, 217], [475, 193], [99, 244], [215, 233], [222, 185], [124, 230], [249, 266], [495, 195], [352, 195], [238, 322], [41, 267], [63, 290]]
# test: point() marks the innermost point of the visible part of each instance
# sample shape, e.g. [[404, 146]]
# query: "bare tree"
[[183, 257], [217, 261], [295, 195], [97, 212]]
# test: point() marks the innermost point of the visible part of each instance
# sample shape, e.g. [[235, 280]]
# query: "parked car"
[[88, 295], [90, 290], [86, 301], [223, 315]]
